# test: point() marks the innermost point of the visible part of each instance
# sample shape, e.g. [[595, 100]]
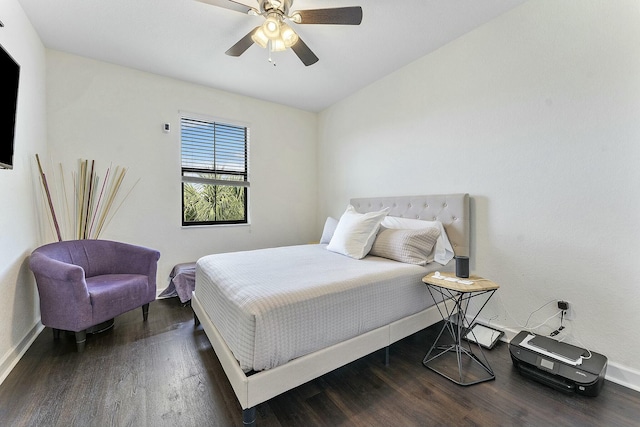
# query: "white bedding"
[[274, 305]]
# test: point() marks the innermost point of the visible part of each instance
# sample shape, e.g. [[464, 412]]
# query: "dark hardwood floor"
[[164, 373]]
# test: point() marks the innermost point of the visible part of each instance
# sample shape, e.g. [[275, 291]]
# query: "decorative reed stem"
[[46, 190]]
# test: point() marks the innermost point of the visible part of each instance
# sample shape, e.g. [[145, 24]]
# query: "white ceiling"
[[186, 40]]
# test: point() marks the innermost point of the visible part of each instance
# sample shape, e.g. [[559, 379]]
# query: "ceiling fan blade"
[[242, 45], [229, 4], [340, 16], [304, 53]]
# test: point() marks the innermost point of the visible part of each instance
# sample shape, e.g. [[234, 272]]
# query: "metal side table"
[[469, 367]]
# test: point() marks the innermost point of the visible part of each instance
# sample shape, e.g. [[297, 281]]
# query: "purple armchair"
[[84, 283]]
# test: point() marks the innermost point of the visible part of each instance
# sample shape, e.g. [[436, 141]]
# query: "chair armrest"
[[56, 270], [62, 287], [140, 260], [137, 259]]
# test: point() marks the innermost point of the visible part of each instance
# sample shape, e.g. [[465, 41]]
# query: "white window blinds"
[[214, 153]]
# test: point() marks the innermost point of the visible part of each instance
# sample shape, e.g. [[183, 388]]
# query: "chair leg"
[[81, 339], [145, 312], [56, 334]]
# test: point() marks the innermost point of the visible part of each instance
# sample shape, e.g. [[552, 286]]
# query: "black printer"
[[562, 366]]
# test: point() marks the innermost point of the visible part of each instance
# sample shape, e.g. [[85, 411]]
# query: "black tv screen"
[[9, 77]]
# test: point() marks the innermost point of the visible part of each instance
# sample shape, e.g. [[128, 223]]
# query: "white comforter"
[[273, 305]]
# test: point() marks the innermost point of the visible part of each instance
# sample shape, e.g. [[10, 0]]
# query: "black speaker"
[[462, 266]]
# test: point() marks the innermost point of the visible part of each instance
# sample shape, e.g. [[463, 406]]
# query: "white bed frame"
[[450, 209]]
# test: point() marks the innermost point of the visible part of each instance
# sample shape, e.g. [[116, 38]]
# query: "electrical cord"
[[573, 332], [557, 331], [530, 328], [526, 324], [561, 333]]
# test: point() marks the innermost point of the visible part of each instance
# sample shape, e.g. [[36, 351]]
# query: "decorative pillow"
[[442, 252], [328, 230], [355, 232], [409, 246]]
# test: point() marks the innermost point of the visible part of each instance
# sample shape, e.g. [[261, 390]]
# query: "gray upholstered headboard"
[[452, 210]]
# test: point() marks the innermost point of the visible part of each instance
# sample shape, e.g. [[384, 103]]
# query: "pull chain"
[[270, 45]]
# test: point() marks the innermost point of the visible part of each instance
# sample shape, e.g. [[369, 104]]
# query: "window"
[[214, 172]]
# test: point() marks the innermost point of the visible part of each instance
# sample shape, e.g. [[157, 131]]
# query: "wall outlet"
[[567, 308]]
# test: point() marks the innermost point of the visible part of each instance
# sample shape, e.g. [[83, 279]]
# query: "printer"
[[562, 366]]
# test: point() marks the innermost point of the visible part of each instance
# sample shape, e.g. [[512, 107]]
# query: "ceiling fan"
[[276, 35]]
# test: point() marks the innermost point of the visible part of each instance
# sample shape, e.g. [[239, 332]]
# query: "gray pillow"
[[329, 228], [408, 246]]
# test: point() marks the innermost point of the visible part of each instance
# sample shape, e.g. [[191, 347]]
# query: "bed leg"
[[196, 321], [249, 417], [386, 356]]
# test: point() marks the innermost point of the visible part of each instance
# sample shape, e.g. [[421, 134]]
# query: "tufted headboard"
[[452, 210]]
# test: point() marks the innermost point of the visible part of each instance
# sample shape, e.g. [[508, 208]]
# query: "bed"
[[370, 302]]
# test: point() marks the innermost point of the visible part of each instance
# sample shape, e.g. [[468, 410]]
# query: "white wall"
[[113, 114], [19, 233], [537, 116]]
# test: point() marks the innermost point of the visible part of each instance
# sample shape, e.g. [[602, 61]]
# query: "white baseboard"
[[616, 373], [624, 376], [13, 356]]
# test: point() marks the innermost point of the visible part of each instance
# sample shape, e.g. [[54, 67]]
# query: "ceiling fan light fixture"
[[278, 45], [288, 35], [271, 27], [260, 38]]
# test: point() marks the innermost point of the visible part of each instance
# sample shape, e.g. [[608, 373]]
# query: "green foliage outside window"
[[213, 203]]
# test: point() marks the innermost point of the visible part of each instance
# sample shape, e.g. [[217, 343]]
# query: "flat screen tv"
[[9, 77]]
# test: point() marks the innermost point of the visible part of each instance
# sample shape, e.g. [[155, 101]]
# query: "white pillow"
[[408, 246], [442, 252], [356, 232], [329, 228]]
